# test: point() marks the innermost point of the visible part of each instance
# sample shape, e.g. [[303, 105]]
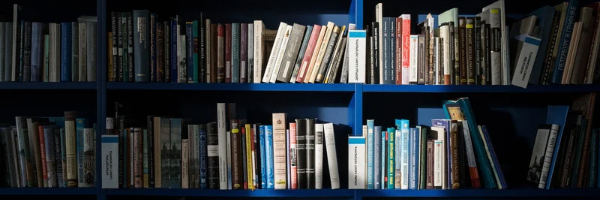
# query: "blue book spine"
[[203, 159], [370, 159], [174, 59], [377, 158], [65, 52], [141, 44], [235, 53], [37, 37], [189, 50], [125, 161], [383, 156], [414, 154], [263, 159], [80, 125], [565, 40], [404, 156], [391, 152], [392, 74], [270, 163]]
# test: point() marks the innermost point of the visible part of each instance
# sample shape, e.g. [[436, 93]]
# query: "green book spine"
[[195, 35], [391, 150]]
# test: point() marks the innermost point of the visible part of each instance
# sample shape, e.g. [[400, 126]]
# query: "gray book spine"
[[328, 52], [91, 51], [300, 56], [130, 76], [165, 149], [291, 52], [344, 76], [82, 52], [249, 74], [2, 45], [75, 49], [142, 49], [7, 51], [332, 74], [175, 153], [25, 76]]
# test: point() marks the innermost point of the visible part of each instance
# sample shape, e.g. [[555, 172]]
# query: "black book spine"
[[244, 157], [488, 57], [202, 53], [153, 47], [121, 153], [150, 145], [119, 46], [202, 153], [375, 42], [213, 156], [301, 153], [129, 52], [115, 53], [477, 47], [310, 153], [167, 45], [462, 155], [27, 53], [368, 54], [256, 135]]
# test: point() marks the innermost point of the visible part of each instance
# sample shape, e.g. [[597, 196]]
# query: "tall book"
[[141, 45], [301, 153], [71, 147], [221, 148], [212, 151], [279, 150]]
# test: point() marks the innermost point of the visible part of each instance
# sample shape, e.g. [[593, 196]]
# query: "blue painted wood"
[[481, 88], [46, 191], [47, 86], [233, 87], [339, 193], [101, 79], [483, 193]]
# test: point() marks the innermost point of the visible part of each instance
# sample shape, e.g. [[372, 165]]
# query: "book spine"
[[221, 53], [174, 48], [160, 53], [91, 51], [75, 54], [115, 57], [454, 159], [391, 151], [71, 149], [301, 53], [152, 58], [82, 50], [193, 72], [293, 154], [185, 152], [37, 37], [470, 51], [370, 154], [477, 50], [235, 53], [228, 53], [221, 146], [406, 50], [56, 157], [125, 44], [244, 53], [130, 68], [414, 155], [565, 41], [80, 126], [250, 61], [182, 59], [3, 46], [279, 148], [462, 34], [42, 148], [137, 158], [270, 157], [142, 50], [236, 160], [202, 31], [314, 36], [310, 153], [145, 164], [25, 74], [356, 158], [204, 163], [248, 161], [319, 138], [263, 157]]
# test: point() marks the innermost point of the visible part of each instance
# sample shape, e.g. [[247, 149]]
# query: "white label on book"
[[110, 161], [357, 49]]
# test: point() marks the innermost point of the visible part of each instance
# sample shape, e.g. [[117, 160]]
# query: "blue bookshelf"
[[350, 112]]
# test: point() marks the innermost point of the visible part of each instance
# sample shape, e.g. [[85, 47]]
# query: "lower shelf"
[[341, 193], [483, 193], [47, 191]]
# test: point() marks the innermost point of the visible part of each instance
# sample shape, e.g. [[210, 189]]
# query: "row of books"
[[173, 153], [49, 152], [451, 154], [199, 51], [574, 149], [47, 52]]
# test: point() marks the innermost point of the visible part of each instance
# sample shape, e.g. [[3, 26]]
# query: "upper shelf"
[[480, 88], [48, 85], [233, 87]]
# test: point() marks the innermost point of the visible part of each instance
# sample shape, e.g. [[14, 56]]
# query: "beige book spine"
[[322, 50], [279, 151], [313, 59]]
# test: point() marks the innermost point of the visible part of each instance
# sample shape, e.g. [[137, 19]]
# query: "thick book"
[[212, 152], [301, 153], [279, 150], [236, 158], [357, 53], [203, 155], [310, 153], [141, 46], [37, 44], [319, 156], [219, 150], [291, 52], [110, 169], [356, 162]]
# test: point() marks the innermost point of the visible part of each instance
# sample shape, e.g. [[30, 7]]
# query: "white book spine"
[[357, 49], [288, 162], [379, 19], [331, 155], [319, 156], [404, 157], [222, 137], [322, 49], [281, 54], [274, 52], [437, 163], [525, 60], [279, 151], [414, 58], [110, 161], [548, 157], [446, 57], [357, 162], [258, 50]]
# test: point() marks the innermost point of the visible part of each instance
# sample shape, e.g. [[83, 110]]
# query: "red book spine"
[[398, 66], [243, 52], [220, 55], [293, 156], [228, 53], [405, 49], [43, 153], [314, 36]]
